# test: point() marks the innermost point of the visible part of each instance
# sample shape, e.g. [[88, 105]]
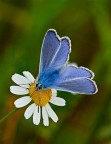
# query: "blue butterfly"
[[56, 73]]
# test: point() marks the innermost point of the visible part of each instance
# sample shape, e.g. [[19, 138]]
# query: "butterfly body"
[[49, 77]]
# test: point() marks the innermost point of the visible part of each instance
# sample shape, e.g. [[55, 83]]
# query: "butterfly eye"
[[39, 86]]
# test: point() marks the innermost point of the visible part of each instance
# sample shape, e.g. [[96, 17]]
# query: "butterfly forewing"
[[62, 55], [50, 46], [54, 54]]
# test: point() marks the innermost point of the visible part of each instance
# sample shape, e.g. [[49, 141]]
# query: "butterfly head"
[[39, 86]]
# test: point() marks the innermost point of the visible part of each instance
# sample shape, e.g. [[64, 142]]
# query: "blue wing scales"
[[56, 73], [50, 46], [71, 78], [72, 71], [62, 55], [79, 85], [55, 52]]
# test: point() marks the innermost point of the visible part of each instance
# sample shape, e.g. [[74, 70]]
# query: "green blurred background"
[[23, 24]]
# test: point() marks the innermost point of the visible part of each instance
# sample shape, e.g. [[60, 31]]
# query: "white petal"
[[51, 113], [58, 101], [20, 80], [29, 76], [25, 86], [54, 92], [18, 90], [45, 116], [29, 111], [37, 115], [23, 101]]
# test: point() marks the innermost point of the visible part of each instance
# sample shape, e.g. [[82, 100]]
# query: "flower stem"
[[8, 115]]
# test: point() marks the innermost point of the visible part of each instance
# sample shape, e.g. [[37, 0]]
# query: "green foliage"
[[85, 119]]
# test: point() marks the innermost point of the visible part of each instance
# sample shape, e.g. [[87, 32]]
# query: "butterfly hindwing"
[[72, 71], [79, 85], [73, 79]]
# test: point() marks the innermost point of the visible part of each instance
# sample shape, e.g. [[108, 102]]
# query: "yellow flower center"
[[40, 97]]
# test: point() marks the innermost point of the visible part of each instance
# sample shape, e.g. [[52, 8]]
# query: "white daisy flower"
[[40, 99]]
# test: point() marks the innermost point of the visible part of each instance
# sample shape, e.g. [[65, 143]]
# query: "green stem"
[[7, 115]]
